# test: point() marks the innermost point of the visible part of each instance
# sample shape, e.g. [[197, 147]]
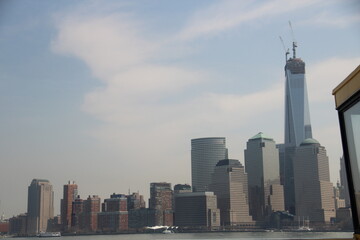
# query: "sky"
[[110, 93]]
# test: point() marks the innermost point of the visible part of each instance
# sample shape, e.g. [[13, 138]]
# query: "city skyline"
[[121, 88]]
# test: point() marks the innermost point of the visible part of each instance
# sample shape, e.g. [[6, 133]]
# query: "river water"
[[214, 236]]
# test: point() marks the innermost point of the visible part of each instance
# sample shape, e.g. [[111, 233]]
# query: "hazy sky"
[[109, 93]]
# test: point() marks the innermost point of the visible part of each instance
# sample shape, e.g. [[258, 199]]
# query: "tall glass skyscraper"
[[205, 154], [297, 115], [297, 124]]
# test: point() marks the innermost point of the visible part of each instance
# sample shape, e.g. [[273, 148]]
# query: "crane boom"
[[286, 51]]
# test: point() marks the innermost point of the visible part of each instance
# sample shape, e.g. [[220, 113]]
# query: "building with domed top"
[[313, 189], [230, 184]]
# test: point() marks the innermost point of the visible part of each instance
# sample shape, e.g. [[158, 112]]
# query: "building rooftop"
[[261, 135], [206, 139], [39, 180], [182, 187], [229, 162], [194, 194], [309, 141], [295, 65]]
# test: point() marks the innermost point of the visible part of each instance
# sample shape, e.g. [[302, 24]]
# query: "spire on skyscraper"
[[294, 44]]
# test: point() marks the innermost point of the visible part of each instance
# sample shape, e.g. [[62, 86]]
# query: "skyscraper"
[[229, 184], [40, 206], [70, 194], [297, 115], [77, 211], [161, 200], [266, 195], [89, 216], [313, 189], [205, 153], [344, 187], [297, 123]]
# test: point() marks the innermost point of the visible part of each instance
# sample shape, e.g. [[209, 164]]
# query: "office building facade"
[[266, 195], [297, 123], [229, 184], [344, 187], [297, 114], [114, 215], [161, 200], [205, 153], [135, 201], [40, 206], [196, 210], [142, 217], [89, 218], [69, 196], [314, 194], [18, 225], [76, 214]]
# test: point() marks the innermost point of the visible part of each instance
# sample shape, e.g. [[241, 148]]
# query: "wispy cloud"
[[142, 102], [327, 19], [225, 15], [131, 96], [108, 44], [325, 75], [322, 78]]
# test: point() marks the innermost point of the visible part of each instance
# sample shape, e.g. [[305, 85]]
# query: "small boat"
[[49, 234], [303, 229], [304, 225], [167, 231]]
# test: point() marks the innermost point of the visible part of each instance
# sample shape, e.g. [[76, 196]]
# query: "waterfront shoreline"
[[190, 232], [214, 235]]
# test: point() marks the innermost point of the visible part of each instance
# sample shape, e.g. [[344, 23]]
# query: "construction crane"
[[286, 51], [294, 44]]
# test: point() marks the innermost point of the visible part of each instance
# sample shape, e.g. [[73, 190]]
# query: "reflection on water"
[[215, 236]]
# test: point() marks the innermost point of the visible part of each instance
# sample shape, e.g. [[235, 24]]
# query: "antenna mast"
[[286, 51], [294, 44]]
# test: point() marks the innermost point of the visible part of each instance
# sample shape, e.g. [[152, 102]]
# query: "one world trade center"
[[297, 123], [297, 115]]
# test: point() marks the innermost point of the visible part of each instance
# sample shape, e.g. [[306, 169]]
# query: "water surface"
[[212, 236]]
